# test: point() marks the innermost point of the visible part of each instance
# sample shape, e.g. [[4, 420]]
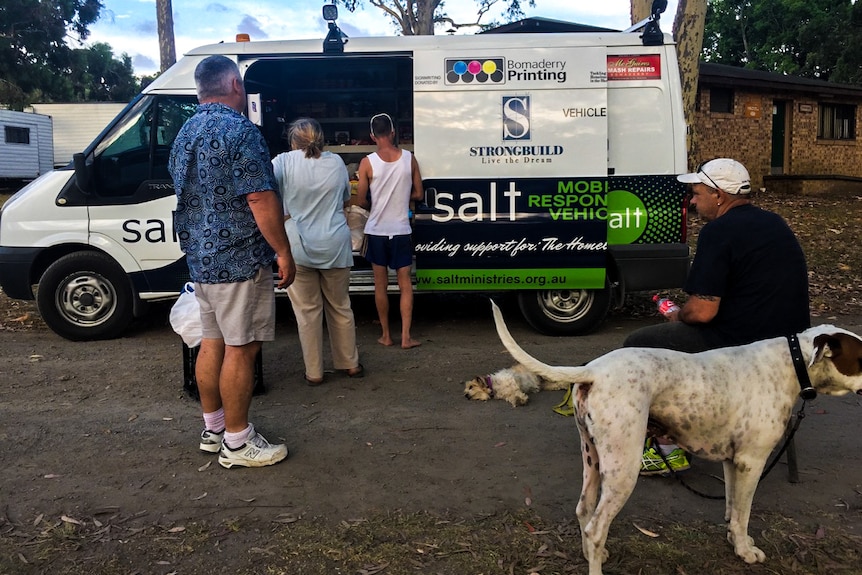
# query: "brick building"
[[793, 134]]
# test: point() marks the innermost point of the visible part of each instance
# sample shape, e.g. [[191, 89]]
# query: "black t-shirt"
[[750, 258]]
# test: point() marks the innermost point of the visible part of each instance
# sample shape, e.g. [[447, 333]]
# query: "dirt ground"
[[101, 473]]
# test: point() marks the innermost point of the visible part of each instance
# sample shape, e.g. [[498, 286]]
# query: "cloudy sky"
[[129, 26]]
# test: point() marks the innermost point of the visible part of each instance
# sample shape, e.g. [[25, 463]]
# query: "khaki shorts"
[[238, 312]]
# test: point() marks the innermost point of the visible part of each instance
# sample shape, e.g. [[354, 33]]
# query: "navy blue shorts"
[[395, 252]]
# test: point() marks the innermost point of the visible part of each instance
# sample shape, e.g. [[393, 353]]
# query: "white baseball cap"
[[723, 174]]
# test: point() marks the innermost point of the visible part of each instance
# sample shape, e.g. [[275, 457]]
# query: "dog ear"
[[822, 348], [477, 382], [844, 350]]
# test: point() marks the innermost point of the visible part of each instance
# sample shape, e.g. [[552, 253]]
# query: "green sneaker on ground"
[[652, 463]]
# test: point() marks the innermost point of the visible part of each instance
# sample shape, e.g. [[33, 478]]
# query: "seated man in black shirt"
[[748, 281]]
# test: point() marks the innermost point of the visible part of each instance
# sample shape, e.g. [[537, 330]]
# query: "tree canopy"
[[809, 38], [419, 17], [37, 62], [100, 76]]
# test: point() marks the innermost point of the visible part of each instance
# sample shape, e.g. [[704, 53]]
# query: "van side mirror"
[[82, 172]]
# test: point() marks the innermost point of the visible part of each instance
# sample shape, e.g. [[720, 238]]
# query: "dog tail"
[[556, 377]]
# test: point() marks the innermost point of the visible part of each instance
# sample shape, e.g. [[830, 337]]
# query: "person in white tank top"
[[388, 180]]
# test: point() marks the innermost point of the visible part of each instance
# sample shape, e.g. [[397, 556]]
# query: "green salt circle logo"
[[627, 217]]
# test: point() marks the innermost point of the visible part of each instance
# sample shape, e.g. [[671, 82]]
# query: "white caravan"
[[26, 148]]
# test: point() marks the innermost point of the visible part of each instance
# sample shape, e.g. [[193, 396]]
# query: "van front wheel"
[[85, 296], [565, 312]]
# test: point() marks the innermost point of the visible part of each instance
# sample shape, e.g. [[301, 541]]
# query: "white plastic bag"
[[186, 316], [356, 218]]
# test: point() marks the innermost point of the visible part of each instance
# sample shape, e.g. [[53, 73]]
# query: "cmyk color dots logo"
[[478, 71]]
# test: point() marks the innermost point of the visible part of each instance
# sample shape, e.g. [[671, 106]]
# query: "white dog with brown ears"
[[513, 384], [729, 405]]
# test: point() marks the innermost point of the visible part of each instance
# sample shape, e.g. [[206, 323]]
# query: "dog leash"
[[800, 415], [806, 393]]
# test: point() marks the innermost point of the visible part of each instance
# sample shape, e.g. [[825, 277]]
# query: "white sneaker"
[[211, 441], [256, 452]]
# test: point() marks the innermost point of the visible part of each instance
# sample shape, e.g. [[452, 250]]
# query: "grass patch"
[[409, 543]]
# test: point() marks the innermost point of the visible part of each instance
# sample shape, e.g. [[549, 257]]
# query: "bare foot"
[[384, 340], [410, 343]]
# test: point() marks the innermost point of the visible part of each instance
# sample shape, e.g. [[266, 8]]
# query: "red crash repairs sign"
[[642, 67]]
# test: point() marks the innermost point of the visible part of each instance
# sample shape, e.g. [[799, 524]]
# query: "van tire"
[[85, 296], [565, 312]]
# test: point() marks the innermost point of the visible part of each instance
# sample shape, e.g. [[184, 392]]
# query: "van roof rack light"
[[652, 34], [335, 38]]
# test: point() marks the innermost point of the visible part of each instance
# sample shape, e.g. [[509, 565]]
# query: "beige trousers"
[[313, 294]]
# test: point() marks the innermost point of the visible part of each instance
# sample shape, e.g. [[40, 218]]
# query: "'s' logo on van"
[[516, 118], [476, 70]]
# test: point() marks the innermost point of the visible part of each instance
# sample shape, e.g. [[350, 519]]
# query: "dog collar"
[[489, 385], [807, 390]]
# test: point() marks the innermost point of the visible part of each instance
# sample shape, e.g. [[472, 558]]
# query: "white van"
[[549, 165]]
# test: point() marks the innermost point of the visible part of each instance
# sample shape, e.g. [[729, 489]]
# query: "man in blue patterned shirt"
[[230, 224]]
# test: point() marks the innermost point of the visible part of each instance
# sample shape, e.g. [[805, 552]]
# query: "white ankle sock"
[[237, 440], [667, 448], [214, 421]]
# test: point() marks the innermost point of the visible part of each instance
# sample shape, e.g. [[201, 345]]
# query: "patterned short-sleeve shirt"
[[219, 156]]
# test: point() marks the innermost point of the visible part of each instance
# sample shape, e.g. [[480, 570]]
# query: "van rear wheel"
[[565, 312], [85, 296]]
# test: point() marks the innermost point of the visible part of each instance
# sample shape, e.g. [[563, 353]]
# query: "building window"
[[837, 122], [721, 100], [16, 135]]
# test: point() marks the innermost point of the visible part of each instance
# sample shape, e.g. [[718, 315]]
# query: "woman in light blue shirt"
[[315, 189]]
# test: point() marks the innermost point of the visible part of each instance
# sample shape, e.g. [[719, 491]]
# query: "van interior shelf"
[[342, 95]]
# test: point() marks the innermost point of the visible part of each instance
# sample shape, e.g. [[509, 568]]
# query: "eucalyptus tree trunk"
[[165, 20], [640, 10], [688, 28]]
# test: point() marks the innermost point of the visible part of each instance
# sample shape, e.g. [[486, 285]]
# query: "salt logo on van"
[[516, 118], [480, 71]]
